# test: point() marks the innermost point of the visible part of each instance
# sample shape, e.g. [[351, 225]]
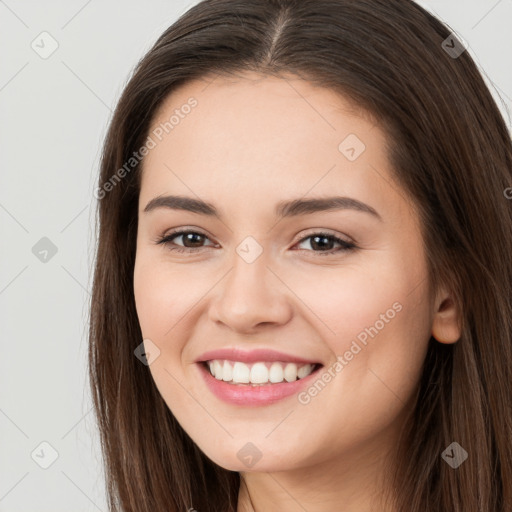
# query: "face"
[[338, 289]]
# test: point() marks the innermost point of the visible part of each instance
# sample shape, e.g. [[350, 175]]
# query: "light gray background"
[[53, 117]]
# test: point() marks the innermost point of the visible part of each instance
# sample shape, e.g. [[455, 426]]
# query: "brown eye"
[[323, 243], [191, 240], [320, 243]]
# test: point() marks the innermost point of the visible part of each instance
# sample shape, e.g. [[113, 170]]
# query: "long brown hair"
[[450, 150]]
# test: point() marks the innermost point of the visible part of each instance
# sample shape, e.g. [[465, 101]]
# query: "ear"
[[446, 321]]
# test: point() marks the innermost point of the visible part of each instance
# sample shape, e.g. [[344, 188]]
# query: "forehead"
[[257, 108], [252, 136]]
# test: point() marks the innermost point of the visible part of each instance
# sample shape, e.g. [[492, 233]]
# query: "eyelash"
[[345, 246]]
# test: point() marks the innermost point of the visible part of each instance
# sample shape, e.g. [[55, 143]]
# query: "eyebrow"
[[291, 208]]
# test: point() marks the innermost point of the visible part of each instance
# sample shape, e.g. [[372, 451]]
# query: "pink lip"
[[251, 356], [248, 395]]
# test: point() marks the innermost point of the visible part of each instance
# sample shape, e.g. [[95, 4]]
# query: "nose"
[[251, 297]]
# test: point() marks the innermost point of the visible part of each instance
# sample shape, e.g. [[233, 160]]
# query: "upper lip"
[[252, 356]]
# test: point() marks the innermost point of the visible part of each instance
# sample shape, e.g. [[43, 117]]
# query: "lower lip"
[[249, 395]]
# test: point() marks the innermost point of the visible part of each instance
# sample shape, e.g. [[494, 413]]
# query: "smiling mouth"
[[260, 373]]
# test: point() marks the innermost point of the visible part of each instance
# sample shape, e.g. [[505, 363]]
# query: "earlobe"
[[446, 321]]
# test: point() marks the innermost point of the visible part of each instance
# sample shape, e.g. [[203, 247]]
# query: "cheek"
[[382, 342], [164, 302], [168, 301], [376, 318], [377, 364], [162, 296], [343, 301]]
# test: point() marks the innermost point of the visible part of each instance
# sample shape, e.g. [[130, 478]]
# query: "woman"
[[301, 298]]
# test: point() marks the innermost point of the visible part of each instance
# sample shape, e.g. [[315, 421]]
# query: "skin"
[[251, 142]]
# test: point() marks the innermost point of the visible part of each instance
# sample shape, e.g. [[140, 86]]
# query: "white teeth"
[[276, 373], [290, 372], [258, 373], [304, 371], [217, 370], [227, 372], [241, 373]]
